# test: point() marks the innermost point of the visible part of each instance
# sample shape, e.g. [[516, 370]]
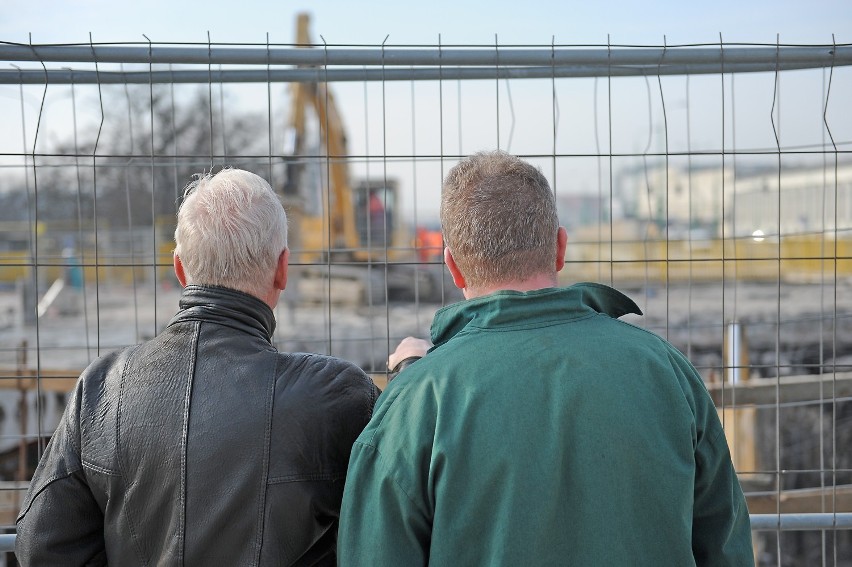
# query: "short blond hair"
[[498, 216]]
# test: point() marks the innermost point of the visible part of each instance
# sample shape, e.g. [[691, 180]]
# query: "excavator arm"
[[335, 223], [353, 223]]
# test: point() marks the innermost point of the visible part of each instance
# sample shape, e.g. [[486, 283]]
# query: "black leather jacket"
[[204, 446]]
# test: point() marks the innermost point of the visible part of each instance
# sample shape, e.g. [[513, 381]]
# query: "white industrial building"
[[759, 199]]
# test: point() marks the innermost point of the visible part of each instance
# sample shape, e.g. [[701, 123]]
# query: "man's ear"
[[561, 246], [280, 281], [458, 278], [179, 272]]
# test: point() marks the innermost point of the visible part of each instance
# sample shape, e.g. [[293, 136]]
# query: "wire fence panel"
[[712, 183]]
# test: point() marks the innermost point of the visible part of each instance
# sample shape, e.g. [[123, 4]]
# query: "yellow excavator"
[[348, 241]]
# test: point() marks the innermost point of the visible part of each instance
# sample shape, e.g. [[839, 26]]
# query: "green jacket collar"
[[506, 309]]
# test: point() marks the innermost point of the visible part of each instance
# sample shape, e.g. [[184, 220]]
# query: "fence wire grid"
[[712, 183]]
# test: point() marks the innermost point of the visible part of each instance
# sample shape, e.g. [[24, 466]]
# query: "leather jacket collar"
[[224, 306]]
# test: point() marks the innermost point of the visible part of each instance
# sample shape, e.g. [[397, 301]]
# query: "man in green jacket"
[[539, 429]]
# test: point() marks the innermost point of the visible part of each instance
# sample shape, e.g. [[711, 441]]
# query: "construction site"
[[737, 250]]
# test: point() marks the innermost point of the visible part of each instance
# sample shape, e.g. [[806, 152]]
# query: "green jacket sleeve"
[[721, 529], [380, 524]]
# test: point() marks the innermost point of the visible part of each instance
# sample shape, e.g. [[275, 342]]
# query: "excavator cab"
[[375, 206]]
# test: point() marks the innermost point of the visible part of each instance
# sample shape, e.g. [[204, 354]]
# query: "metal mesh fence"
[[712, 183]]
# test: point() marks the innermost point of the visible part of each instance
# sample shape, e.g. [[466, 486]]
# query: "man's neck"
[[530, 284]]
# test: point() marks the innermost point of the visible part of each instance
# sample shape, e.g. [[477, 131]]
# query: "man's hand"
[[409, 347]]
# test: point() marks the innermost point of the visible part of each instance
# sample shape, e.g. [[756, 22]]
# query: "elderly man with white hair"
[[204, 445]]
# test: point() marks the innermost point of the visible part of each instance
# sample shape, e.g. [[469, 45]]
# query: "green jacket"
[[540, 430]]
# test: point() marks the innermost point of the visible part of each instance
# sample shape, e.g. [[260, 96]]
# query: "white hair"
[[231, 229]]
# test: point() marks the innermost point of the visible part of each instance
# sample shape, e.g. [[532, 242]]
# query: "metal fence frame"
[[328, 63], [424, 64]]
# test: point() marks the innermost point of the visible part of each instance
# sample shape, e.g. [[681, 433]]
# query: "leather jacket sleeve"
[[60, 522]]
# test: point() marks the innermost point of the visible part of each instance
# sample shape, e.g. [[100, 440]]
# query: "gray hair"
[[498, 216], [231, 229]]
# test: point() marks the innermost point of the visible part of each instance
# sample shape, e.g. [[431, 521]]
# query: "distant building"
[[754, 200], [581, 210]]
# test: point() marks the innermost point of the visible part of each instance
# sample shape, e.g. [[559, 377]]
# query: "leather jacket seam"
[[100, 469], [306, 477], [267, 441], [193, 349], [44, 487], [125, 511]]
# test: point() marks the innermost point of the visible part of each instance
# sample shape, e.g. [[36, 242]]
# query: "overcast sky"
[[458, 21]]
